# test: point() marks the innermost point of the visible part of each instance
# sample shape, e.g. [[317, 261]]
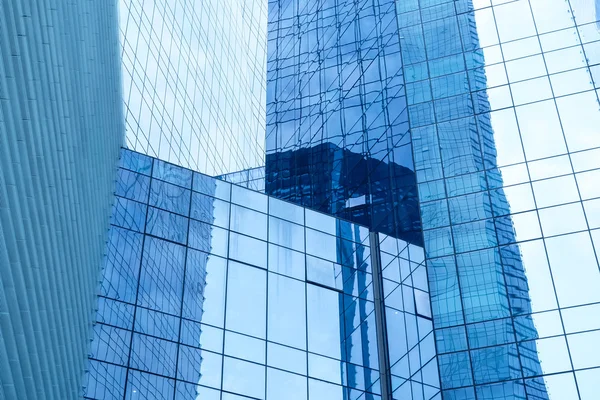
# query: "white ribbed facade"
[[61, 127]]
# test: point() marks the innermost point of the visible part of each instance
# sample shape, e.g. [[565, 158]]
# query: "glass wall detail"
[[502, 108], [337, 124], [212, 290], [491, 108], [194, 81]]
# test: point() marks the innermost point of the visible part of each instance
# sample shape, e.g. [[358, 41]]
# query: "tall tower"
[[61, 128]]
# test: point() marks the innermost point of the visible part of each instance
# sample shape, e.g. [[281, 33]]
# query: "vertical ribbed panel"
[[61, 127]]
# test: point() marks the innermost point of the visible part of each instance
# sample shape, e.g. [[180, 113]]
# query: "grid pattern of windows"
[[413, 364], [194, 81], [500, 97], [337, 124], [214, 290], [504, 116]]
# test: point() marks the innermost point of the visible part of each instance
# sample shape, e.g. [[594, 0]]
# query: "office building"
[[430, 222], [194, 81], [61, 128], [215, 291], [492, 105]]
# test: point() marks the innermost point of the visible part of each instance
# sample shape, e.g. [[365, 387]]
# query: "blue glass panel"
[[244, 378], [104, 381], [136, 162], [324, 327], [491, 333], [110, 344], [172, 174], [208, 238], [246, 299], [283, 385], [132, 186], [129, 214], [249, 198], [496, 363], [324, 272], [167, 225], [198, 366], [455, 370], [210, 210], [157, 324], [248, 250], [204, 294], [445, 294], [186, 391], [161, 277], [482, 285], [169, 197], [321, 245], [286, 311], [248, 222], [286, 234], [245, 347], [286, 358], [513, 390], [147, 386], [122, 265], [286, 262], [199, 335], [153, 355], [115, 313], [451, 339], [201, 236], [212, 187], [319, 390], [287, 211]]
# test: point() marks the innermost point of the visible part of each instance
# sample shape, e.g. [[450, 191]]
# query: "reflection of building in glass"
[[194, 81], [339, 182], [337, 141], [485, 286], [209, 287]]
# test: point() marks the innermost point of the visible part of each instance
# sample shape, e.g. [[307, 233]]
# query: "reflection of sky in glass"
[[194, 81], [504, 121]]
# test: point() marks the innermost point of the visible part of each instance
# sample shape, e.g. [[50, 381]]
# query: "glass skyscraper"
[[492, 106], [429, 227], [212, 291], [194, 81], [61, 128]]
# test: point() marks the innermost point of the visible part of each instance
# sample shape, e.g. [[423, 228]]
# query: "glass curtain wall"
[[194, 81], [212, 290], [503, 112]]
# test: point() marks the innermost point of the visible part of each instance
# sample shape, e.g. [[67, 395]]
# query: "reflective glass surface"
[[194, 81], [490, 108], [222, 297]]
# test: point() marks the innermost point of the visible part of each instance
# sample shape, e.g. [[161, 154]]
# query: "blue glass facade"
[[212, 290], [490, 107], [337, 124], [194, 81]]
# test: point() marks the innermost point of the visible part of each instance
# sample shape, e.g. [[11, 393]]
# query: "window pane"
[[204, 296], [324, 335], [574, 269], [287, 322], [244, 378], [246, 300], [161, 278], [284, 385]]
